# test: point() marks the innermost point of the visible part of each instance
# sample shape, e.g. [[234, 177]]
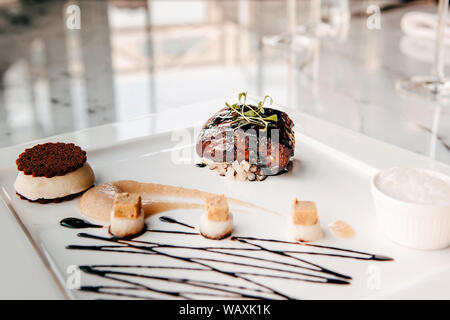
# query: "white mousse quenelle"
[[127, 216], [304, 222], [217, 222]]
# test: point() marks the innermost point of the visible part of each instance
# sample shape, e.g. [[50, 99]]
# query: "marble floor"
[[132, 58]]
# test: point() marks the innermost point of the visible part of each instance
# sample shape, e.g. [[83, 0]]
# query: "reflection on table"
[[131, 58]]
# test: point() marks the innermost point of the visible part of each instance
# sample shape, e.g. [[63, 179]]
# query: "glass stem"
[[315, 14], [438, 67]]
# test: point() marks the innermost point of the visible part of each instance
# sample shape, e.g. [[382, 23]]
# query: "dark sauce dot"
[[201, 165], [75, 223]]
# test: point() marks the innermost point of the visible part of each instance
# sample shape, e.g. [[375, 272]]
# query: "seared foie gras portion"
[[260, 135], [304, 221], [217, 222], [127, 216]]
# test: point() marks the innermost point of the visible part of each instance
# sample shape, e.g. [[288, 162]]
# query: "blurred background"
[[334, 59]]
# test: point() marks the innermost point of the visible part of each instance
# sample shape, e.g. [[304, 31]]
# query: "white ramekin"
[[412, 225]]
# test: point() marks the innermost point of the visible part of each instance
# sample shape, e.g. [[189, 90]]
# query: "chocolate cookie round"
[[51, 159]]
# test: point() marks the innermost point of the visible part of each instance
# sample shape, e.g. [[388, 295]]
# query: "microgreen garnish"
[[245, 114]]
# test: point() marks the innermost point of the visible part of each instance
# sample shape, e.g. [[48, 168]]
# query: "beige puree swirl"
[[97, 203]]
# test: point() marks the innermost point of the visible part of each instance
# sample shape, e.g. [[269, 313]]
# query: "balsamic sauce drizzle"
[[306, 271], [75, 223], [171, 220]]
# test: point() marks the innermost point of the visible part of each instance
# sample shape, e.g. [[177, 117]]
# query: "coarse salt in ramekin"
[[413, 207]]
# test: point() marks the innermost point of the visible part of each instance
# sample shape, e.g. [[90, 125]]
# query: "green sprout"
[[245, 114]]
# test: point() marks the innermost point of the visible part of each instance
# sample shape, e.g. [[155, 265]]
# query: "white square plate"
[[332, 167]]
